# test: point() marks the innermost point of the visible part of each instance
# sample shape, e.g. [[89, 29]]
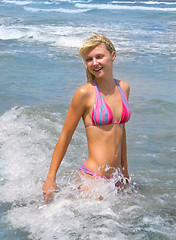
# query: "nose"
[[94, 62]]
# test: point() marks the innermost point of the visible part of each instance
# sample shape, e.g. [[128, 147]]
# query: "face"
[[99, 61]]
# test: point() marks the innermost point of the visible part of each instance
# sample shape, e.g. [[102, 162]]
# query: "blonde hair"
[[90, 44]]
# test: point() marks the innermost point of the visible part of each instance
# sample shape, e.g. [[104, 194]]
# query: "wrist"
[[124, 169], [51, 178], [125, 172]]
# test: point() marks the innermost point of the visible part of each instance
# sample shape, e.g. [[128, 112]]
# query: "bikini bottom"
[[89, 172]]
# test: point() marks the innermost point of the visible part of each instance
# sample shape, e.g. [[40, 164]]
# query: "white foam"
[[23, 137], [7, 33], [17, 2], [70, 1], [61, 10], [119, 7], [158, 2], [124, 2], [69, 219], [71, 37], [144, 2], [27, 139], [63, 36]]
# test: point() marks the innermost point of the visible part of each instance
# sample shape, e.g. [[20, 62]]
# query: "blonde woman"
[[102, 104]]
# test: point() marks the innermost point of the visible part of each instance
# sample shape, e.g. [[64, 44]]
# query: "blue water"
[[39, 72]]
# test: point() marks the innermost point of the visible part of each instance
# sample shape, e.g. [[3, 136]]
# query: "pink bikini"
[[102, 115]]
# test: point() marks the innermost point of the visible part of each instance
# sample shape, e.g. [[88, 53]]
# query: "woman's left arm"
[[126, 88], [124, 163]]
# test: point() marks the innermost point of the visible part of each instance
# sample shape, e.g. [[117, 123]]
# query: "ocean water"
[[39, 72]]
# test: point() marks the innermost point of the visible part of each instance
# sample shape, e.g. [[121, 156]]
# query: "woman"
[[102, 103]]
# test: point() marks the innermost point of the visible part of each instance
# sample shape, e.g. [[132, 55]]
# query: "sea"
[[40, 70]]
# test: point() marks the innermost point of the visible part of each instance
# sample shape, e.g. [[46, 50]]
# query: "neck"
[[106, 83]]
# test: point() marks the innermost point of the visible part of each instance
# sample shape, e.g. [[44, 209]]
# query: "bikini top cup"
[[102, 114]]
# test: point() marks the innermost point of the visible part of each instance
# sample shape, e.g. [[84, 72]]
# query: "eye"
[[88, 60], [100, 56]]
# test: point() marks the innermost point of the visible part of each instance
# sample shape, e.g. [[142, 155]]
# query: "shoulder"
[[125, 87], [84, 91], [83, 94]]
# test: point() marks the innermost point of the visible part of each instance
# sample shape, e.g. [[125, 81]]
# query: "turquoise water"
[[39, 72]]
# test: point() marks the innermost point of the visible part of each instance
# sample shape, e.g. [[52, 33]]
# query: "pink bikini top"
[[102, 114]]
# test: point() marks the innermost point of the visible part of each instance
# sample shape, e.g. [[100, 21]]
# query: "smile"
[[98, 69]]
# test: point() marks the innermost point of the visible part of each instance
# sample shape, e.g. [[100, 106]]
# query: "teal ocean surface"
[[39, 72]]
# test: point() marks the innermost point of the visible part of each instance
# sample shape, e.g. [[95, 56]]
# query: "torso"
[[104, 142]]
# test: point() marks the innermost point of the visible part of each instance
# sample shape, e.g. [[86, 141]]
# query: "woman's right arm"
[[76, 110]]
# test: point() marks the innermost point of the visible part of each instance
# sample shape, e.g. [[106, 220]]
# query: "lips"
[[98, 69]]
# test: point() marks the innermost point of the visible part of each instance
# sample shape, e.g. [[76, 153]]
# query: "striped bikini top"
[[102, 114]]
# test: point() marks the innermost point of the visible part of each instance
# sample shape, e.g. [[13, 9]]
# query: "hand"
[[49, 188], [126, 175]]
